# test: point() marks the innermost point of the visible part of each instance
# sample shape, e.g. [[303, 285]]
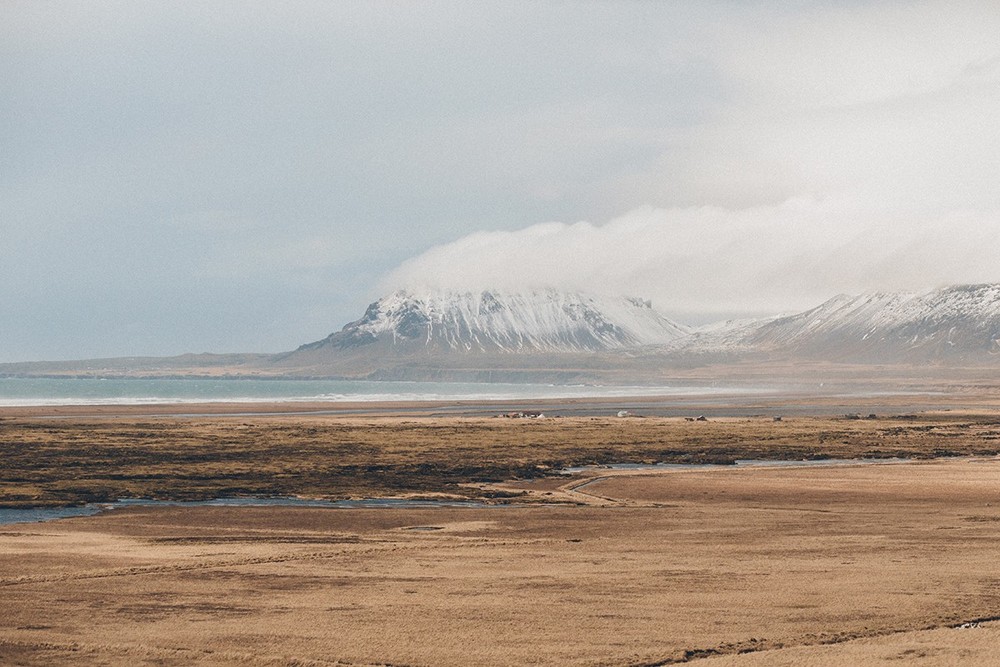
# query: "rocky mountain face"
[[955, 324], [504, 323]]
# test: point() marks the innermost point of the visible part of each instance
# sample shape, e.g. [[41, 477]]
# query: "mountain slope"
[[497, 322], [571, 335], [537, 336], [953, 324]]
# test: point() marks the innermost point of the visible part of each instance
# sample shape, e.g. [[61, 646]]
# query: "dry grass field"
[[872, 564], [72, 460], [844, 565]]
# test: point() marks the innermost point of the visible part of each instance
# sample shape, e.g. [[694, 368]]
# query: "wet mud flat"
[[854, 565], [99, 459]]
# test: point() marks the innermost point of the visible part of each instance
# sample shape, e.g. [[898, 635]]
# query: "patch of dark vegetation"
[[69, 462]]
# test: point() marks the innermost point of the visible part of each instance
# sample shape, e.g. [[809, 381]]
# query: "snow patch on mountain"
[[958, 321], [493, 321], [959, 324]]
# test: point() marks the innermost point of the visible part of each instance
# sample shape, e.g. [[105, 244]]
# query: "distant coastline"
[[69, 391]]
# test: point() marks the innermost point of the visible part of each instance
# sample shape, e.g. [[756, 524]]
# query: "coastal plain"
[[886, 562]]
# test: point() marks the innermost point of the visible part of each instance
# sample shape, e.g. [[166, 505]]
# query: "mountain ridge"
[[550, 336], [505, 322], [958, 322]]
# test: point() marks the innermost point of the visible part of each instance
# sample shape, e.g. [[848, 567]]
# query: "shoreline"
[[722, 403]]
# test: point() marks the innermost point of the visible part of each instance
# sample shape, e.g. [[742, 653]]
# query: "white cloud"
[[850, 148], [710, 260]]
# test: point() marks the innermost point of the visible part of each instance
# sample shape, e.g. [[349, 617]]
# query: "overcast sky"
[[212, 176]]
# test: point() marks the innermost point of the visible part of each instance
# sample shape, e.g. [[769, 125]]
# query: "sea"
[[22, 392]]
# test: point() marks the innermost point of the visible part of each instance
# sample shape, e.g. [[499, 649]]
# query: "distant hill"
[[958, 324], [551, 336], [528, 322], [542, 335]]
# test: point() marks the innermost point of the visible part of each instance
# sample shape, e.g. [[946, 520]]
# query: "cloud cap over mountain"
[[708, 261]]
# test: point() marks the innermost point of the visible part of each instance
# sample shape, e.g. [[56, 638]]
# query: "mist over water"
[[135, 391]]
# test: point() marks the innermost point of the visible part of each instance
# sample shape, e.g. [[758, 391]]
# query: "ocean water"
[[17, 392]]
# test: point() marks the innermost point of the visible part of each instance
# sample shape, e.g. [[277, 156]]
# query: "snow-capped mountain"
[[950, 324], [551, 336], [499, 322], [959, 324]]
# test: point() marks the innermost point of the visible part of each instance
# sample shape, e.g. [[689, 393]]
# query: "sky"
[[247, 176]]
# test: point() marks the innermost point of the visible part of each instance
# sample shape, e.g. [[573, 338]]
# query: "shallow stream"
[[8, 516], [49, 513]]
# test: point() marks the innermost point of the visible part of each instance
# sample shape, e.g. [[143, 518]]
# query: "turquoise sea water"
[[123, 391]]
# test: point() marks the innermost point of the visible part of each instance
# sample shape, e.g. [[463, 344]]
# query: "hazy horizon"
[[244, 177]]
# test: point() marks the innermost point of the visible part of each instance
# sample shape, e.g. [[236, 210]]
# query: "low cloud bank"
[[707, 262]]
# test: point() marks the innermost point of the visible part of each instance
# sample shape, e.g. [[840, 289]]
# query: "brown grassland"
[[894, 563], [98, 459]]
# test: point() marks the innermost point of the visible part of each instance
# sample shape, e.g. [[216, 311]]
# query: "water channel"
[[35, 514]]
